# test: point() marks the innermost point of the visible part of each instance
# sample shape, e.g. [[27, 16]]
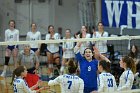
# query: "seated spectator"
[[28, 58], [134, 54]]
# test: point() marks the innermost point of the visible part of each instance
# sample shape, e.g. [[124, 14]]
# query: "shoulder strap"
[[126, 78]]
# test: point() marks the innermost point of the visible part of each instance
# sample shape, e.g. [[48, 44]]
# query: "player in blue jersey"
[[20, 85], [88, 67]]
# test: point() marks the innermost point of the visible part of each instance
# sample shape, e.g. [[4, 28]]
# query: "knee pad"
[[7, 60]]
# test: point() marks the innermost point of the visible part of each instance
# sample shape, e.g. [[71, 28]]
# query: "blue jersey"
[[88, 71]]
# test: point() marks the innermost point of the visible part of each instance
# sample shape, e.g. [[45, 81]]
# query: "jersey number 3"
[[70, 83], [110, 82], [15, 89]]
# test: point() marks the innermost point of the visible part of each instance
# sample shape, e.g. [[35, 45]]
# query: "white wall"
[[32, 12], [7, 8], [43, 14], [67, 15], [98, 10]]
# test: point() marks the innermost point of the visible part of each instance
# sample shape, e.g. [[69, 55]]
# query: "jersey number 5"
[[110, 82], [70, 83]]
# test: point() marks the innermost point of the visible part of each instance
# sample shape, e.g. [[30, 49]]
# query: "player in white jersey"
[[101, 45], [11, 34], [84, 34], [20, 85], [127, 78], [68, 52], [69, 83], [52, 49], [34, 35], [106, 81]]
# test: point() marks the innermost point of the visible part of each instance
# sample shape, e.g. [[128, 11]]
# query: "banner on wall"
[[121, 12]]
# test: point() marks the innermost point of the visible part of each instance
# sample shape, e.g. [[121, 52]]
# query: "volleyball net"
[[117, 46]]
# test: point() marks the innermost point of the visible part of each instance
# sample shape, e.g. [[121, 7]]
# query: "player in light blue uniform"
[[106, 81], [69, 83], [127, 78], [20, 85]]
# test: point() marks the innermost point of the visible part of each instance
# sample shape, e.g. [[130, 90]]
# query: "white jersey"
[[101, 45], [11, 35], [126, 80], [53, 48], [69, 46], [85, 45], [68, 83], [33, 36], [106, 83], [20, 86]]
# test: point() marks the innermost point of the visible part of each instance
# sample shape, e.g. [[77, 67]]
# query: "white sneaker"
[[136, 74], [51, 75], [3, 74]]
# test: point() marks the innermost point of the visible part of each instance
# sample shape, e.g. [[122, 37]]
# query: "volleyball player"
[[106, 81], [69, 83], [11, 34], [127, 78], [52, 50], [20, 85], [88, 66], [84, 34], [101, 45], [68, 52], [34, 35]]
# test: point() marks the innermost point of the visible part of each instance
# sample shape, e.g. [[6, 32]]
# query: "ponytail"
[[133, 65], [13, 76], [106, 65], [130, 63], [72, 67], [17, 72]]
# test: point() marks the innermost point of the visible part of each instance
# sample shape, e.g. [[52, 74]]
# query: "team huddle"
[[87, 57]]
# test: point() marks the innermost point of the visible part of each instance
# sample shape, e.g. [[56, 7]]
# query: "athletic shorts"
[[12, 47], [34, 49], [51, 52], [89, 90]]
